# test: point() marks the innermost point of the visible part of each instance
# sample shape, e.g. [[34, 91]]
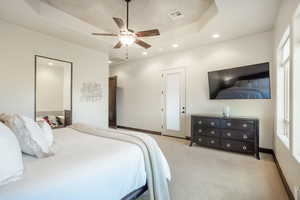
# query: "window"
[[283, 89], [296, 87]]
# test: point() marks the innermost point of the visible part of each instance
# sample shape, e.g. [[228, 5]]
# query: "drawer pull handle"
[[229, 124], [212, 132], [212, 141], [229, 134], [212, 123], [228, 145], [200, 130], [245, 125], [244, 148], [199, 122], [200, 139], [245, 137]]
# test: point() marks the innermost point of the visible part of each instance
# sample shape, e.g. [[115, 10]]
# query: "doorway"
[[113, 102], [174, 102]]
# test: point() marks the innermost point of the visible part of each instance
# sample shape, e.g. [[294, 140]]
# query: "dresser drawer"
[[238, 124], [238, 135], [201, 140], [213, 142], [207, 131], [199, 130], [212, 132], [207, 141], [231, 145], [207, 122]]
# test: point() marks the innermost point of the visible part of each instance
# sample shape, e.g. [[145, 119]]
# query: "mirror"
[[53, 91]]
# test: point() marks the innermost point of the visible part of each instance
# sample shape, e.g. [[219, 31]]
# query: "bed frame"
[[136, 193]]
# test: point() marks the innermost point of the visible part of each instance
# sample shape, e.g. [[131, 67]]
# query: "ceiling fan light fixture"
[[127, 39], [128, 36], [216, 36]]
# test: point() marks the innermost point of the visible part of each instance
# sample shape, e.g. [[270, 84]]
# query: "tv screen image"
[[247, 82]]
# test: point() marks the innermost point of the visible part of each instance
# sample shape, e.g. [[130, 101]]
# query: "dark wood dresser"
[[230, 134]]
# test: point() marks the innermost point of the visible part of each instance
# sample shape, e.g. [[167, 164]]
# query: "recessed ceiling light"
[[145, 53], [175, 45], [50, 64], [109, 62], [215, 35]]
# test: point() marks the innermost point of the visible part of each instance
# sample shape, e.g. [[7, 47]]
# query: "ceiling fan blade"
[[143, 44], [148, 33], [118, 46], [119, 22], [105, 34]]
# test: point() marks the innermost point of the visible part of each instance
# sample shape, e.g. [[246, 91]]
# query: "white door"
[[173, 102]]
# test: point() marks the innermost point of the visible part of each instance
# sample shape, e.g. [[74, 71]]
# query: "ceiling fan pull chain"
[[127, 56]]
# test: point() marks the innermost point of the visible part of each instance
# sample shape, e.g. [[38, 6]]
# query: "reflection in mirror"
[[53, 91]]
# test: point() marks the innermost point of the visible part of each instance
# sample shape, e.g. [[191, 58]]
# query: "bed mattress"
[[83, 167]]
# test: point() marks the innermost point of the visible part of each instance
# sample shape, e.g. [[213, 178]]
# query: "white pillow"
[[47, 130], [31, 138], [11, 167]]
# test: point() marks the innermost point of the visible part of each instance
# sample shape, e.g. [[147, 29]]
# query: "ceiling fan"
[[128, 36]]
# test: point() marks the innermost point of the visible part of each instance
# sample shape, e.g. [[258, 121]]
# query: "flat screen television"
[[247, 82]]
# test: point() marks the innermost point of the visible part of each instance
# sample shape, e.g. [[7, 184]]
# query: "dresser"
[[229, 134]]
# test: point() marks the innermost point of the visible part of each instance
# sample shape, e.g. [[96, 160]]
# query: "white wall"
[[139, 84], [289, 165], [17, 50], [50, 88]]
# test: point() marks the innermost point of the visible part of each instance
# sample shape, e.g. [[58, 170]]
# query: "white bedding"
[[84, 167]]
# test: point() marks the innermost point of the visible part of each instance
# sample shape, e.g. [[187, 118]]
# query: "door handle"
[[183, 112]]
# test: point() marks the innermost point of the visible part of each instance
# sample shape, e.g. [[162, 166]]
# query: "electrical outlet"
[[297, 192]]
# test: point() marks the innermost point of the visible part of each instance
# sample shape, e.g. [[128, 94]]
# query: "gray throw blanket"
[[157, 168]]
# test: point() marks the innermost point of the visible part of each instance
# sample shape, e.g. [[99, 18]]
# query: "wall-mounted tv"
[[247, 82]]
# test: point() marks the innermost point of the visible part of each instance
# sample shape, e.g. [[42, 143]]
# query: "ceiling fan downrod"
[[127, 21]]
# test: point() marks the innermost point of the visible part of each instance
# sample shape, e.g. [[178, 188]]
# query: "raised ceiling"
[[75, 20], [144, 14]]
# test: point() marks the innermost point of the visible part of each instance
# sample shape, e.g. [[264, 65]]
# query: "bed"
[[84, 167]]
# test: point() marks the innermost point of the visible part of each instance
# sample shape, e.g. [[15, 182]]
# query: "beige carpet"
[[204, 174]]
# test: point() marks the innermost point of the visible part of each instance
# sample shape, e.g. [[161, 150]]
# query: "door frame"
[[114, 125], [163, 102]]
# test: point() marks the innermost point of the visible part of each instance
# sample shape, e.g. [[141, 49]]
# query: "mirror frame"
[[35, 81]]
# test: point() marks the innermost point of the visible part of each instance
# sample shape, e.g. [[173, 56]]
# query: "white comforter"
[[85, 167]]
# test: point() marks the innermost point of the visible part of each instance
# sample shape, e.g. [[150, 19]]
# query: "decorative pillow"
[[53, 121], [47, 130], [46, 118], [11, 167], [31, 138]]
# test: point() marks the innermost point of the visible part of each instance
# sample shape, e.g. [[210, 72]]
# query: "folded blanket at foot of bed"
[[157, 168]]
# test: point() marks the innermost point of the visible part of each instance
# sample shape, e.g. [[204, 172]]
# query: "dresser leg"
[[257, 156], [191, 144]]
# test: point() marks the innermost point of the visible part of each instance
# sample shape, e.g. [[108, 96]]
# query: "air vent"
[[176, 15]]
